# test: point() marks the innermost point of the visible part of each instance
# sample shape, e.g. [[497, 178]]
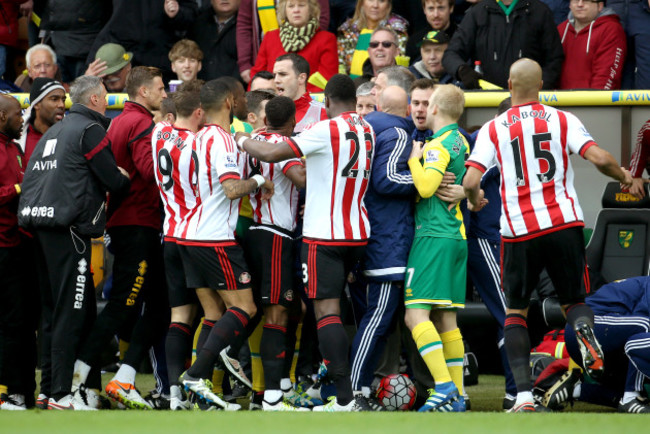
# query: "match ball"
[[396, 392]]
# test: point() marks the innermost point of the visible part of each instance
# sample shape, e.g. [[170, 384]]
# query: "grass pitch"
[[485, 417]]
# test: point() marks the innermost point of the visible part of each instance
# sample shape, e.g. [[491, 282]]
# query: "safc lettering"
[[539, 114]]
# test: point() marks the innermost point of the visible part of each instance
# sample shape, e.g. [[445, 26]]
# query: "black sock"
[[206, 328], [580, 312], [231, 324], [290, 345], [517, 345], [178, 348], [273, 353], [240, 340], [334, 347]]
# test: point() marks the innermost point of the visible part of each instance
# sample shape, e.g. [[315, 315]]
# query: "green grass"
[[485, 417]]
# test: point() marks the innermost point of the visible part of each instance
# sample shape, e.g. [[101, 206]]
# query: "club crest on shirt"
[[244, 278], [431, 156]]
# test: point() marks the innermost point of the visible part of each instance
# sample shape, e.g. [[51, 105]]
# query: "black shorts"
[[270, 257], [179, 295], [325, 267], [216, 267], [562, 253]]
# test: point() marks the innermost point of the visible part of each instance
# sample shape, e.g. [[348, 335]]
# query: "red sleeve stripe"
[[294, 147], [586, 146], [476, 165], [289, 165], [229, 175], [97, 149]]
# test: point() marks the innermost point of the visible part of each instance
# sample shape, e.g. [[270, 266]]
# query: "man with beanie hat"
[[46, 107]]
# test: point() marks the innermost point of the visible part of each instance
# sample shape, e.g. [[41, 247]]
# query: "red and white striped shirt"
[[641, 155], [531, 144], [214, 219], [338, 155], [281, 210], [175, 165]]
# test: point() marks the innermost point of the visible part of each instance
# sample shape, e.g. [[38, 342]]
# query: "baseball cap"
[[435, 37], [115, 56]]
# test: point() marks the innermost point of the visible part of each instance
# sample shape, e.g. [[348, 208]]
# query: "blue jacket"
[[628, 297], [389, 199]]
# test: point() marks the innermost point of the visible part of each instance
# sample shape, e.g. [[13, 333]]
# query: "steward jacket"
[[68, 175], [130, 137], [595, 55], [497, 40], [389, 199], [11, 173]]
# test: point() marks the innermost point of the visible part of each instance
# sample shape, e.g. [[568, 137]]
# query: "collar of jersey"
[[442, 131]]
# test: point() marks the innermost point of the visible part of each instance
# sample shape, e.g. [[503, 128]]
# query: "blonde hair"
[[359, 16], [450, 100], [314, 10]]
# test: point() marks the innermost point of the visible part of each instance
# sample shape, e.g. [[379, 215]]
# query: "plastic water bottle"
[[477, 67]]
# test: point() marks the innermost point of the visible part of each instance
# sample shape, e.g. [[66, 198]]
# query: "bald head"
[[8, 102], [11, 121], [393, 100], [525, 80]]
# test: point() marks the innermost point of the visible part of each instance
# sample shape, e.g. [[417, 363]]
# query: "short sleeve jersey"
[[446, 151], [338, 155], [531, 144], [215, 218], [175, 165], [281, 210]]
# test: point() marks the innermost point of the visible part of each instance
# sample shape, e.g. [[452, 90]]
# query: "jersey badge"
[[431, 156], [244, 278]]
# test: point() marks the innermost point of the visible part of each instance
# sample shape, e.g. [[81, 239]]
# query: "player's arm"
[[267, 151], [296, 173], [426, 181], [472, 187], [607, 165], [237, 188]]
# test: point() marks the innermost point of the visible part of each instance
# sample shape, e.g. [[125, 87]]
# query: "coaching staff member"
[[63, 196]]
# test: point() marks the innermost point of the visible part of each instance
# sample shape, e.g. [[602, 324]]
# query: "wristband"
[[259, 179], [18, 189], [240, 142]]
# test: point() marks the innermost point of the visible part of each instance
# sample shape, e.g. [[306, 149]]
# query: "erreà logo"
[[625, 238]]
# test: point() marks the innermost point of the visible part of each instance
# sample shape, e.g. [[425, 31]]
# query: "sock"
[[629, 396], [231, 324], [3, 389], [454, 351], [123, 347], [333, 344], [240, 340], [178, 348], [272, 396], [580, 312], [517, 343], [126, 374], [254, 342], [429, 345], [217, 380], [285, 384], [576, 391], [524, 397], [80, 374], [273, 352], [294, 331], [206, 328]]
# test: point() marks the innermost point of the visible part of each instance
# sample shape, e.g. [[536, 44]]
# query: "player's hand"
[[246, 75], [124, 172], [627, 182], [267, 190], [451, 194], [637, 189], [171, 8], [96, 68], [417, 150], [448, 178], [481, 201]]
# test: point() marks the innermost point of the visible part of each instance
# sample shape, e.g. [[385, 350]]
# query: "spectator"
[[432, 49], [214, 31], [354, 35], [74, 25], [113, 64], [8, 29], [635, 18], [46, 107], [41, 62], [263, 80], [393, 76], [421, 91], [382, 51], [499, 33], [256, 19], [185, 57], [148, 28], [299, 33], [365, 99], [81, 169], [594, 47], [438, 13], [559, 9], [291, 72], [640, 160]]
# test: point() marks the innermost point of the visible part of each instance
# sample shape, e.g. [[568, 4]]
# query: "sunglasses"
[[385, 44]]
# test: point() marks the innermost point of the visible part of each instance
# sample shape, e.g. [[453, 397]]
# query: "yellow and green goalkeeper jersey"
[[446, 151]]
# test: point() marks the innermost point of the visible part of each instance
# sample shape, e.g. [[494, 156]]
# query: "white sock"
[[175, 392], [80, 374], [126, 374], [285, 383], [272, 396], [365, 390], [576, 391], [524, 397], [629, 396]]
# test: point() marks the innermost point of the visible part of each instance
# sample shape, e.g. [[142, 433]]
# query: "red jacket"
[[32, 138], [594, 56], [141, 207], [12, 166], [9, 11], [641, 154], [320, 53]]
